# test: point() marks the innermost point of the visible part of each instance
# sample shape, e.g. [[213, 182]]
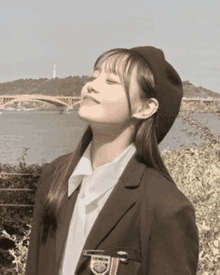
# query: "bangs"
[[122, 62], [116, 61]]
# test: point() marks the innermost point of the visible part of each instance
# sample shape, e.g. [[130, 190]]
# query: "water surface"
[[50, 134]]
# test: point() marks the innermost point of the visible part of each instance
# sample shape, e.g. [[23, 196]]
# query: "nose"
[[91, 90]]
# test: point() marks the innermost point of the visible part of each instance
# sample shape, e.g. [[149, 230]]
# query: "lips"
[[88, 97]]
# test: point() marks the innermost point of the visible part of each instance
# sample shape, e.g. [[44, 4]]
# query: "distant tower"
[[54, 71]]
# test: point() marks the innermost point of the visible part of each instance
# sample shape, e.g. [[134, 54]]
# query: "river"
[[50, 134]]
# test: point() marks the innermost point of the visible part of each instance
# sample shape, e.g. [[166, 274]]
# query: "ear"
[[147, 109]]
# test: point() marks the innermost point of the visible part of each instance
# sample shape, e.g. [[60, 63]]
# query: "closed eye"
[[112, 82]]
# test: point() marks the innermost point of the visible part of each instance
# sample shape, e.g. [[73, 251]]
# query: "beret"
[[169, 90]]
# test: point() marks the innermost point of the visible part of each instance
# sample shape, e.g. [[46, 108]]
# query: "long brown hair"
[[57, 191], [120, 62]]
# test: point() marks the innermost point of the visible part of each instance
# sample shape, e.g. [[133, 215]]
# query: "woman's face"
[[104, 99]]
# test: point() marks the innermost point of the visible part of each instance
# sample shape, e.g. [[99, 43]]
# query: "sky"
[[36, 34]]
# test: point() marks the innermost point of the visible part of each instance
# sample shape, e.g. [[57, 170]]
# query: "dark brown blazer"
[[146, 216]]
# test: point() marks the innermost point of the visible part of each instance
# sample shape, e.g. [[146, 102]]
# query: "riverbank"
[[202, 106]]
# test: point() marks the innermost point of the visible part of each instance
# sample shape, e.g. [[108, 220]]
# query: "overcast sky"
[[72, 33]]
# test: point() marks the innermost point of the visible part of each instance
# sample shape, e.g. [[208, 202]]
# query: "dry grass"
[[196, 170]]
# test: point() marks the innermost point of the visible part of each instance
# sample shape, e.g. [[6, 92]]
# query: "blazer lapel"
[[62, 229], [65, 215], [122, 198]]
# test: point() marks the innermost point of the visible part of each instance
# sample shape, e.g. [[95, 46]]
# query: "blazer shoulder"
[[173, 233], [163, 193]]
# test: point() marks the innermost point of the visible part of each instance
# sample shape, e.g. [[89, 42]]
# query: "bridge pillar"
[[61, 109]]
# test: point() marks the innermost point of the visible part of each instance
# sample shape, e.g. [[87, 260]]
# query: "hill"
[[72, 85], [69, 86], [191, 90]]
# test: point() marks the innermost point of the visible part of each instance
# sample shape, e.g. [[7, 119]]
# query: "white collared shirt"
[[96, 187]]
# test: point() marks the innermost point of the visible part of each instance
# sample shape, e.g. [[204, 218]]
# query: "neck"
[[108, 144]]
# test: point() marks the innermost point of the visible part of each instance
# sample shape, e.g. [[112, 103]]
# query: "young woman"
[[111, 206]]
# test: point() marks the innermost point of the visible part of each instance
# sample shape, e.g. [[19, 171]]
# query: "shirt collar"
[[109, 172], [82, 170]]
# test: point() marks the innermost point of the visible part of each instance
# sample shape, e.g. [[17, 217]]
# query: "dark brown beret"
[[169, 88]]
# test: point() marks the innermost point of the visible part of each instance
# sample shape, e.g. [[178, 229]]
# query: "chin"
[[85, 117], [82, 117]]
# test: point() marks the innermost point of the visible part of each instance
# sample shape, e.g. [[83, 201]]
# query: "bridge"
[[71, 101], [59, 101]]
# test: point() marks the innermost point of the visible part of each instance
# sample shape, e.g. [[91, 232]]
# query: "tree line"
[[69, 86], [72, 85]]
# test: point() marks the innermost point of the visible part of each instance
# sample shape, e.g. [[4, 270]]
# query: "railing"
[[4, 176]]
